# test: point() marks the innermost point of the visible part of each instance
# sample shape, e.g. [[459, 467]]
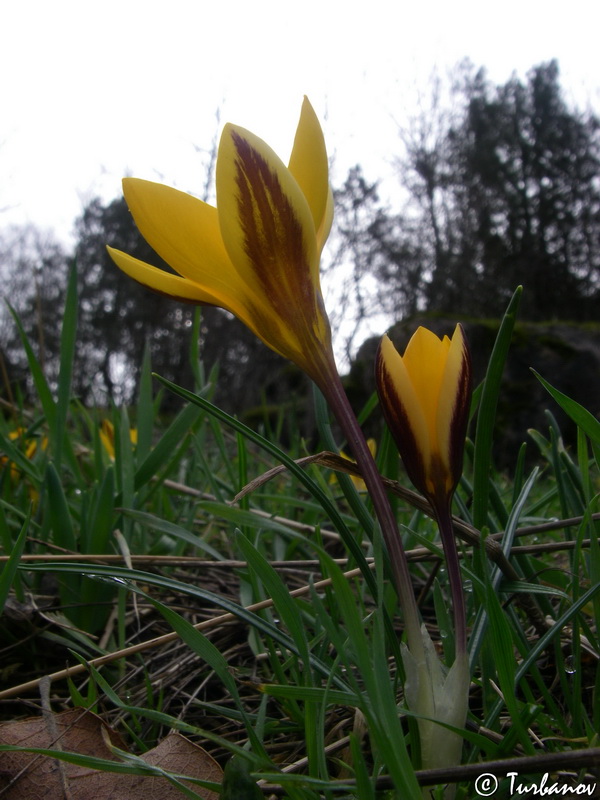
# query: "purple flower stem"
[[339, 404], [443, 517]]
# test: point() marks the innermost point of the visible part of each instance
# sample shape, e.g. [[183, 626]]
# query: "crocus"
[[257, 253], [107, 437], [425, 397], [358, 482], [28, 445]]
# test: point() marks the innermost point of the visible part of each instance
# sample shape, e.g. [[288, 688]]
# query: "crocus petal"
[[177, 287], [454, 402], [324, 229], [425, 360], [269, 233], [425, 399], [266, 223], [403, 411], [309, 166], [159, 280], [183, 230]]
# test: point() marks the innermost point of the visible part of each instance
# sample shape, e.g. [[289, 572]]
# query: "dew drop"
[[570, 667]]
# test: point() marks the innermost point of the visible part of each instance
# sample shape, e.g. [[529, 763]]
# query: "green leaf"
[[276, 589], [67, 354], [39, 379], [145, 409], [237, 781], [482, 456], [100, 525], [10, 568], [310, 694], [379, 706], [580, 415], [501, 643], [166, 445], [543, 643], [60, 516], [481, 619], [326, 504], [171, 529], [122, 575]]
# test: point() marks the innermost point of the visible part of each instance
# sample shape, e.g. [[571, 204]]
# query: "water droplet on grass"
[[570, 667]]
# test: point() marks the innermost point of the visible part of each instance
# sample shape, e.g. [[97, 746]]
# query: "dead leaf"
[[30, 776]]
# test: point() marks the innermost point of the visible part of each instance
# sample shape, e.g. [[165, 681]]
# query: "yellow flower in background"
[[425, 396], [257, 253], [107, 437], [358, 482], [28, 445]]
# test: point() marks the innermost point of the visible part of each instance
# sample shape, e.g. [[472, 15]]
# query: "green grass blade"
[[145, 410], [37, 373], [207, 651], [101, 516], [166, 445], [297, 471], [480, 624], [67, 355], [544, 642], [284, 603], [124, 576], [580, 415], [501, 644], [131, 765], [124, 462], [380, 707], [16, 456], [61, 520], [172, 529], [9, 571], [482, 455]]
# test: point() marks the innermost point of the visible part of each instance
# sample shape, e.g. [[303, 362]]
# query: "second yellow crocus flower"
[[257, 253], [425, 397]]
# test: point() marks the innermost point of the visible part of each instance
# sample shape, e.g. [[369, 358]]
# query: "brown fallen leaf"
[[31, 776]]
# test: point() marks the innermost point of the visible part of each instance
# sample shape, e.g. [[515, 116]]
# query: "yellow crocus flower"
[[257, 253], [358, 482], [425, 397], [107, 437]]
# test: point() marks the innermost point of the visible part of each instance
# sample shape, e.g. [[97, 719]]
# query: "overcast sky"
[[92, 91]]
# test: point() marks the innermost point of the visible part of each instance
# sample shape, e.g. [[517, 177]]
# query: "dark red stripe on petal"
[[273, 234], [398, 422], [460, 417]]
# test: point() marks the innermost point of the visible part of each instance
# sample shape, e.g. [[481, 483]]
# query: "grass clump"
[[267, 628]]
